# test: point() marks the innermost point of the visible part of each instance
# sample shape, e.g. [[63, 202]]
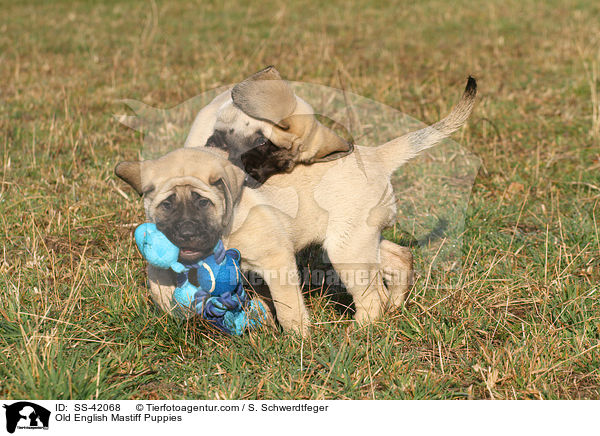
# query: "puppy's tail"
[[397, 151]]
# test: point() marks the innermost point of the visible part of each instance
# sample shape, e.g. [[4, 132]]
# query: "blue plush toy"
[[219, 297]]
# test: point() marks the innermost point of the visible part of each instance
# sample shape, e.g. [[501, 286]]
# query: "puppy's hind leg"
[[397, 269], [358, 266]]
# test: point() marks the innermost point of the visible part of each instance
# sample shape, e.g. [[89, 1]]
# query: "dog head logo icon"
[[25, 414]]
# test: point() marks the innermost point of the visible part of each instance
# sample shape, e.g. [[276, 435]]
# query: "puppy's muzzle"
[[187, 230], [192, 238]]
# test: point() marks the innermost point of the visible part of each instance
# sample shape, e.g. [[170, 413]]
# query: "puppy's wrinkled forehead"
[[185, 166]]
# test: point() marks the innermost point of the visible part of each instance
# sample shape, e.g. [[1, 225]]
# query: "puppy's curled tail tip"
[[471, 88]]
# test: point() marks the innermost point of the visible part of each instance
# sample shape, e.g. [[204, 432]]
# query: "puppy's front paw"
[[364, 316], [299, 326]]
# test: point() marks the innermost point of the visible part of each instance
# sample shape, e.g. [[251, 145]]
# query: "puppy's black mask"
[[260, 158], [256, 155], [190, 222]]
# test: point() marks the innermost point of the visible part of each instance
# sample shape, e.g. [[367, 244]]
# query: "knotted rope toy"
[[220, 297]]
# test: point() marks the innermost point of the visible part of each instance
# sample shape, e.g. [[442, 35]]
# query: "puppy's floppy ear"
[[265, 96], [230, 180], [322, 142], [337, 141], [131, 172]]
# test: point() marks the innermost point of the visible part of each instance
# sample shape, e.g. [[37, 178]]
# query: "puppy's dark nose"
[[187, 229]]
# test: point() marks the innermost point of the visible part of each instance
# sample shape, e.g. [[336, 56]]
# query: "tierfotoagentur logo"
[[25, 415]]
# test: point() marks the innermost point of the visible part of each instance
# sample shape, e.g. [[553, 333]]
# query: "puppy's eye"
[[167, 204], [200, 201], [260, 141]]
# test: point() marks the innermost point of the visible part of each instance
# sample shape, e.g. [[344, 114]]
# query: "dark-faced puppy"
[[266, 129], [188, 220], [256, 155]]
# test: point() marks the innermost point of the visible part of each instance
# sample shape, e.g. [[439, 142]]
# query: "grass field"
[[75, 319]]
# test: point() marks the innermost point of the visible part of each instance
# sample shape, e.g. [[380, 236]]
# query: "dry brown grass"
[[523, 323]]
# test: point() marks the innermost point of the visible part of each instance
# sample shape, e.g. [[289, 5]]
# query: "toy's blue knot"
[[219, 252], [219, 297]]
